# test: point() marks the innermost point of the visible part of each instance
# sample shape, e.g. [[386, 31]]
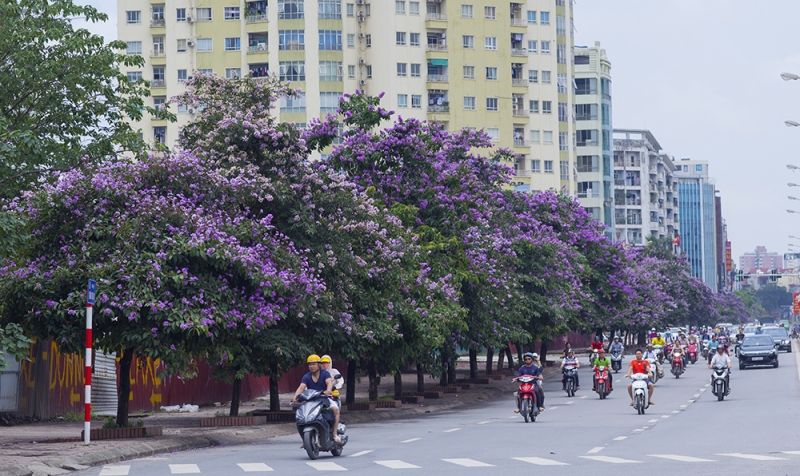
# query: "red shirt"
[[597, 345], [640, 366]]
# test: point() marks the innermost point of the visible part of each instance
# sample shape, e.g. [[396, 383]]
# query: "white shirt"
[[338, 380], [723, 360]]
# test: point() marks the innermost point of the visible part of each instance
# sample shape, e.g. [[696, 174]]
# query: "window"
[[563, 169], [698, 168], [547, 107], [180, 14], [536, 166], [469, 72], [490, 42], [182, 76], [329, 102], [204, 14], [133, 16], [468, 41], [587, 137], [533, 106], [330, 9], [531, 16], [581, 59], [413, 39], [351, 40], [489, 13], [134, 48], [589, 163], [292, 71], [290, 9], [134, 76], [546, 77], [546, 47], [160, 134], [535, 136], [158, 45], [157, 13], [291, 39], [401, 69], [183, 108], [491, 73], [208, 71], [547, 137], [158, 76], [533, 76], [368, 40], [493, 133], [233, 44], [369, 71], [416, 70], [416, 99], [588, 189], [330, 71], [402, 100], [182, 47], [231, 13], [330, 40], [544, 18], [232, 73], [466, 11], [400, 38], [351, 10], [561, 81], [351, 71], [204, 44], [561, 54], [400, 7], [469, 103], [532, 46], [413, 9], [293, 104], [586, 112], [562, 112], [563, 141], [491, 104]]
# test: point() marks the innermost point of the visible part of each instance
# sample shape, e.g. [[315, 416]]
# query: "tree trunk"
[[489, 360], [500, 358], [274, 394], [519, 354], [443, 376], [236, 397], [451, 371], [543, 353], [374, 380], [510, 358], [398, 385], [420, 379], [473, 363], [124, 387], [351, 382], [643, 338]]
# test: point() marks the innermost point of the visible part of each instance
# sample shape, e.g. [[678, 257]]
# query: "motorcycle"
[[570, 376], [693, 353], [592, 356], [719, 386], [314, 421], [658, 370], [659, 351], [616, 361], [677, 364], [602, 381], [640, 395], [704, 347], [526, 396]]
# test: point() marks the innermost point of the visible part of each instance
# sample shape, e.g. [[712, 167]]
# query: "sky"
[[704, 77]]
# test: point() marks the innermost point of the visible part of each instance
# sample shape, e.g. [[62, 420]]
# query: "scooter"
[[719, 386], [692, 352], [640, 395], [677, 364], [601, 381], [616, 361], [592, 356], [526, 397], [314, 420], [704, 347], [659, 351], [658, 370], [570, 376]]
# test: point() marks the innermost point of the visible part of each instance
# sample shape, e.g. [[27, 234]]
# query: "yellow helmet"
[[335, 393], [325, 359], [312, 359]]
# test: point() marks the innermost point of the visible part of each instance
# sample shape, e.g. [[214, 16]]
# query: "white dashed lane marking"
[[752, 456], [685, 459], [184, 469], [325, 466], [595, 450], [410, 440], [115, 470], [451, 430], [397, 464], [611, 459], [620, 438], [540, 461], [361, 453], [254, 467], [467, 462]]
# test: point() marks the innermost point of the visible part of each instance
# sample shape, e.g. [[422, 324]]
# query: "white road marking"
[[685, 459], [118, 470], [184, 469], [254, 467], [638, 430], [684, 405], [397, 464], [653, 420], [483, 422], [752, 456], [665, 416], [325, 466], [696, 395], [703, 390], [469, 463], [675, 412], [541, 461], [595, 450], [620, 438], [584, 396], [569, 402], [361, 453], [611, 459], [707, 385], [451, 430], [410, 440], [552, 408], [791, 452]]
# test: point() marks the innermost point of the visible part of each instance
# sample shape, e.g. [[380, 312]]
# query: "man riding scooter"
[[320, 380], [602, 361], [530, 368]]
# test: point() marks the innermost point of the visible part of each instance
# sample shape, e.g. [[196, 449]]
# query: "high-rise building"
[[645, 192], [762, 260], [501, 66], [698, 219], [594, 133]]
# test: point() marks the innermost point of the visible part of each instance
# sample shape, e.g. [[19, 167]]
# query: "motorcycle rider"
[[338, 380], [640, 365], [597, 344], [529, 367], [658, 340], [617, 347], [713, 345], [722, 359], [677, 349], [321, 380], [650, 353], [570, 360], [603, 361]]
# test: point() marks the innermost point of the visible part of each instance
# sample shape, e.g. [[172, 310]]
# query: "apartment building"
[[593, 134], [502, 66], [645, 190], [698, 220]]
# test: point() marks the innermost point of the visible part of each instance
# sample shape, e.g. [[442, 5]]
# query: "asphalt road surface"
[[756, 430]]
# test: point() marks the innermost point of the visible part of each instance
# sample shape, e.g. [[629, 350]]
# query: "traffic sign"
[[92, 291]]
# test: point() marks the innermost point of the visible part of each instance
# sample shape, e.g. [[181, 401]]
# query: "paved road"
[[756, 430]]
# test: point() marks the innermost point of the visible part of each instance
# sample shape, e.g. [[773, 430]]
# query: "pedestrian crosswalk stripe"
[[118, 470], [540, 461], [470, 463], [325, 466], [752, 456], [184, 469], [611, 459], [254, 467], [397, 464], [685, 459]]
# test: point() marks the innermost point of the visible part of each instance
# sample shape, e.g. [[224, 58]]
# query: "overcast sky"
[[703, 76]]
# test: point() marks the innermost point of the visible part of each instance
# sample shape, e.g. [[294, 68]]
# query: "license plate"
[[758, 358]]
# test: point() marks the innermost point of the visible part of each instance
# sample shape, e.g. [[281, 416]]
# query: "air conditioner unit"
[[360, 2], [189, 18], [362, 82], [361, 61], [190, 43], [361, 35]]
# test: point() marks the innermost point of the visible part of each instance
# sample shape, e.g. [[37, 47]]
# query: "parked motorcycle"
[[602, 382], [640, 396], [692, 353], [616, 361], [314, 421], [526, 397], [570, 377], [719, 384], [677, 364]]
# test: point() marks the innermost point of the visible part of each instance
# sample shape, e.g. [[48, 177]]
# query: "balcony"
[[439, 108], [437, 46], [437, 78], [158, 53], [158, 83], [522, 173], [518, 21], [520, 112], [436, 16], [256, 18], [157, 23], [519, 82], [519, 142], [258, 48]]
